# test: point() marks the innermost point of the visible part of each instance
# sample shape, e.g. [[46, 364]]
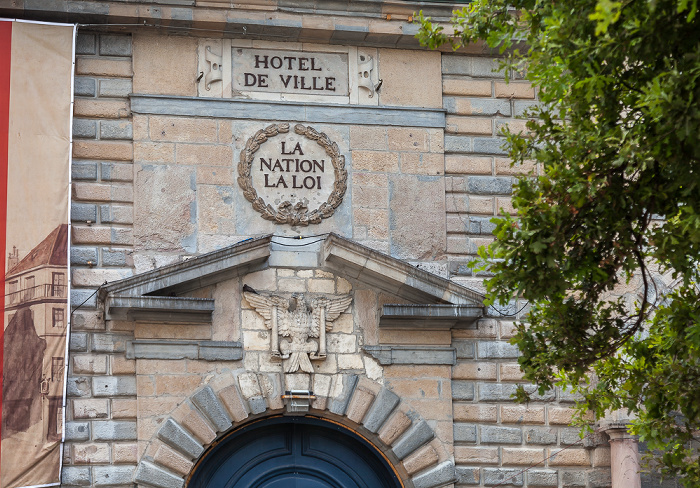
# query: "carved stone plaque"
[[295, 178], [280, 71]]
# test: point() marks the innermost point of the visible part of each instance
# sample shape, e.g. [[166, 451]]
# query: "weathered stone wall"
[[101, 412], [151, 189]]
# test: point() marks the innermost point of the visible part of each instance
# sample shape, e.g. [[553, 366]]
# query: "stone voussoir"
[[207, 403]]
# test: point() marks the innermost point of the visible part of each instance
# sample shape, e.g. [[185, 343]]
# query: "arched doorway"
[[293, 452]]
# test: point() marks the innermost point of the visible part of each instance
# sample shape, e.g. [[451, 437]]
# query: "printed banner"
[[36, 66]]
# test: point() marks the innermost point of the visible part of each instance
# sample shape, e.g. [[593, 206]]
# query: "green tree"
[[617, 138]]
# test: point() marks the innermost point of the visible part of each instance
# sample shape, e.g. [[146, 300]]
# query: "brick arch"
[[227, 403]]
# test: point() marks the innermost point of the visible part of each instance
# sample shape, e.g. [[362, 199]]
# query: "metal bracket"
[[215, 73], [366, 65]]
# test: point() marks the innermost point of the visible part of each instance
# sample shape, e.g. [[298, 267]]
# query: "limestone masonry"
[[314, 154]]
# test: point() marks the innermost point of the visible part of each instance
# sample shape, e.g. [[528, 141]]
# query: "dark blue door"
[[293, 452]]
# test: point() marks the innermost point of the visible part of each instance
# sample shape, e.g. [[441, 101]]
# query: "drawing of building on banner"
[[36, 311]]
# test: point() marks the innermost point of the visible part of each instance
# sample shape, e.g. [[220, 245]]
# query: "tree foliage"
[[616, 202]]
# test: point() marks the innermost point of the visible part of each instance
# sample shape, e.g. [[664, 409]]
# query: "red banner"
[[36, 66]]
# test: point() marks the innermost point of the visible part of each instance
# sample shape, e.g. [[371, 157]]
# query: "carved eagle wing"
[[264, 304], [334, 307]]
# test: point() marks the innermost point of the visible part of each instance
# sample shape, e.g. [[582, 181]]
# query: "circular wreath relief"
[[286, 212]]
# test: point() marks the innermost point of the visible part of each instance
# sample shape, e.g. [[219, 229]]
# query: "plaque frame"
[[287, 213]]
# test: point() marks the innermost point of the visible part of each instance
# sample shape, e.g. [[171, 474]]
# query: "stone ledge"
[[195, 273], [165, 349], [437, 317], [289, 111], [412, 354], [159, 309]]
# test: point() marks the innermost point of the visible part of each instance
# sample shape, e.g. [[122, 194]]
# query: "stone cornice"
[[392, 275], [372, 23]]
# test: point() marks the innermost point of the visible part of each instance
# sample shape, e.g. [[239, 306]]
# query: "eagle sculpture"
[[301, 323]]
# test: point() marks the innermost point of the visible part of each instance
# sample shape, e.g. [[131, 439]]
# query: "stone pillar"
[[624, 451]]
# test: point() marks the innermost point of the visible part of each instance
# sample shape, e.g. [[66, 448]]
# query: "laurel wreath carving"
[[286, 212]]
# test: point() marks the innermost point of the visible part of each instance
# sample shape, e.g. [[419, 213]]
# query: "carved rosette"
[[287, 212]]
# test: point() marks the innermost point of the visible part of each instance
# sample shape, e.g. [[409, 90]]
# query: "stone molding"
[[392, 275], [228, 403], [434, 317], [178, 349], [324, 113], [386, 355]]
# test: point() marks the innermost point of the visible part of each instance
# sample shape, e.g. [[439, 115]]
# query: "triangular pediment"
[[161, 294]]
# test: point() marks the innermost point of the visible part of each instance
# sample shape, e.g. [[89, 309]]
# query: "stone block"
[[419, 434], [109, 342], [178, 438], [116, 129], [84, 128], [359, 404], [125, 453], [341, 392], [85, 87], [510, 372], [115, 45], [165, 456], [123, 408], [91, 453], [523, 457], [163, 65], [111, 430], [489, 145], [382, 407], [569, 457], [114, 257], [82, 256], [469, 125], [477, 106], [542, 477], [464, 349], [476, 455], [462, 390], [116, 214], [420, 459], [394, 427], [257, 405], [465, 412], [117, 88], [510, 477], [84, 170], [78, 386], [468, 476], [101, 108], [411, 78], [601, 478], [120, 151], [489, 185], [464, 432], [441, 475], [491, 434], [207, 402], [108, 386], [153, 475], [77, 431], [417, 216], [541, 436], [378, 161], [117, 171], [182, 129], [521, 108], [522, 415], [85, 44], [113, 475], [372, 137], [78, 340], [466, 87], [573, 479], [474, 371], [233, 402], [76, 476], [514, 90], [458, 144], [165, 201], [120, 68], [90, 364], [90, 409]]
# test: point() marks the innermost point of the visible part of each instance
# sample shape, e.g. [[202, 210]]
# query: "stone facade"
[[158, 215]]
